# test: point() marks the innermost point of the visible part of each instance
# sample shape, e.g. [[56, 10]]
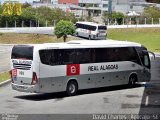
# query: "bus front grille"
[[22, 66]]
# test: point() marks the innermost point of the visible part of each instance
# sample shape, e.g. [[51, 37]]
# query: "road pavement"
[[5, 53], [32, 30]]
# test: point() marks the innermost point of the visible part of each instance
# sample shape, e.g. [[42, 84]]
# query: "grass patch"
[[4, 76], [15, 38], [149, 37]]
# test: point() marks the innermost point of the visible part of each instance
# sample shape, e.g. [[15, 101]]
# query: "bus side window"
[[68, 56], [83, 56]]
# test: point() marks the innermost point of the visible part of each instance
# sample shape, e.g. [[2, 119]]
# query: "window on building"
[[105, 5]]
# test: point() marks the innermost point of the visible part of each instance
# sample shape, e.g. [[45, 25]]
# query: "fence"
[[128, 21], [27, 23], [132, 21]]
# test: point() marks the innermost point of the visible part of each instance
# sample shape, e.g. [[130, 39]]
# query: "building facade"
[[130, 5], [96, 7], [74, 2], [100, 6], [45, 1]]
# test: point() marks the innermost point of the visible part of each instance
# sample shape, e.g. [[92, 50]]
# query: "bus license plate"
[[14, 78]]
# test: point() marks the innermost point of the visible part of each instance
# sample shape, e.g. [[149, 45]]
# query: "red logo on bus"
[[14, 72], [73, 69]]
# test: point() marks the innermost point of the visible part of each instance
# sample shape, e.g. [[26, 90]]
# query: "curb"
[[5, 83]]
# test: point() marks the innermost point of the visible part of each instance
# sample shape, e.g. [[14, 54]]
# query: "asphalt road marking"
[[146, 103]]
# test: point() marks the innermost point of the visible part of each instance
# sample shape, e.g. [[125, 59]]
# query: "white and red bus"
[[77, 65], [91, 30]]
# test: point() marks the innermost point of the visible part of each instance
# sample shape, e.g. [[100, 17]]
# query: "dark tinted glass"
[[84, 56], [123, 54], [142, 54], [102, 28], [22, 52], [93, 28], [101, 55], [116, 54], [88, 27], [88, 55], [57, 57]]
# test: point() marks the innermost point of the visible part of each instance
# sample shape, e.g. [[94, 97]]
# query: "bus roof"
[[90, 44], [90, 23]]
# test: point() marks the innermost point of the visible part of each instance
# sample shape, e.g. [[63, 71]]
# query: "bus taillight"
[[34, 78], [10, 72]]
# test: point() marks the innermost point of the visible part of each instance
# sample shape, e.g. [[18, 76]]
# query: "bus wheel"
[[89, 37], [76, 34], [132, 80], [72, 88]]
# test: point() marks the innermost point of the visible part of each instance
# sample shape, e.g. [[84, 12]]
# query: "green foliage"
[[118, 17], [0, 9], [33, 15], [89, 18], [153, 1], [152, 12], [58, 14], [45, 13], [4, 76], [64, 28], [71, 17], [113, 16]]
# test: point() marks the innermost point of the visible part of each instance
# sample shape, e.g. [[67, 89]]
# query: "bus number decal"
[[73, 69], [21, 73]]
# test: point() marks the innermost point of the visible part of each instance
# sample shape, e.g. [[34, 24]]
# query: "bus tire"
[[132, 80], [77, 35], [89, 37], [72, 88]]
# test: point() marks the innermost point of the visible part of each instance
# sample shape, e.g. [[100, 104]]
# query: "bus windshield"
[[22, 52]]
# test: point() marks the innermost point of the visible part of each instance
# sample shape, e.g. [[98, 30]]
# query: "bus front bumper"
[[25, 88]]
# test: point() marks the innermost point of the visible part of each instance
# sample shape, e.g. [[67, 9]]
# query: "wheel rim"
[[132, 81], [72, 88]]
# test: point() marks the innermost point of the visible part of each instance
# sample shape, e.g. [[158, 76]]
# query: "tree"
[[113, 16], [153, 1], [71, 17], [118, 17], [64, 28], [40, 16], [152, 12]]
